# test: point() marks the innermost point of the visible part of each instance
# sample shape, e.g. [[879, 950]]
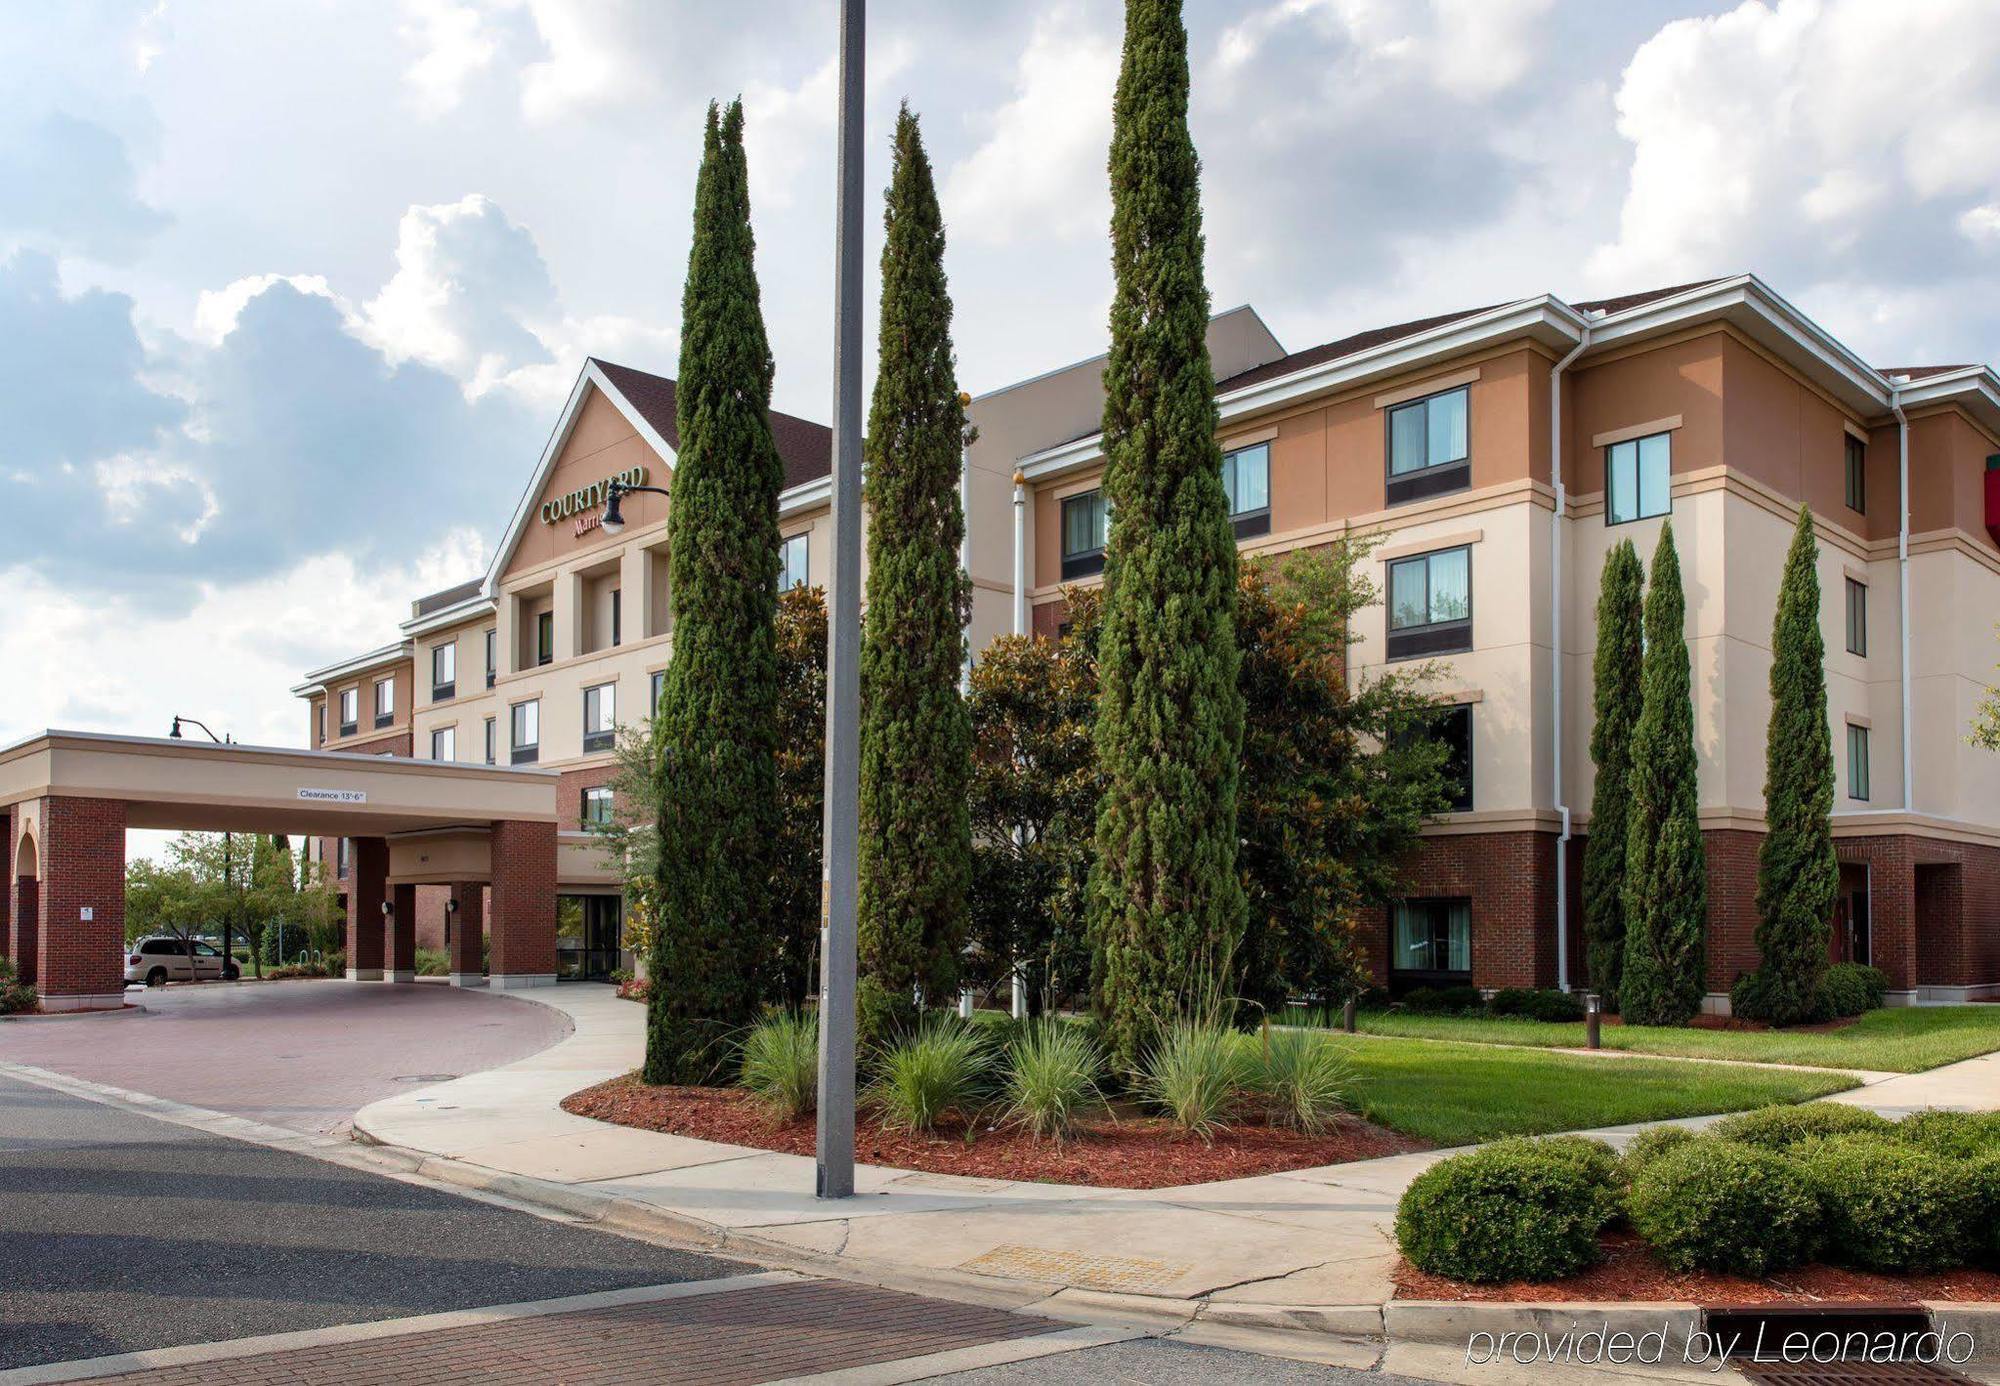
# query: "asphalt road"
[[119, 1232]]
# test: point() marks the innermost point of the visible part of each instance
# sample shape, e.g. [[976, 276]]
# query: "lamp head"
[[176, 732], [387, 908], [614, 522]]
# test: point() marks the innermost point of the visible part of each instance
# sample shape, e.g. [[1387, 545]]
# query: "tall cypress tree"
[[1166, 906], [1666, 866], [1620, 651], [716, 728], [916, 737], [1798, 878]]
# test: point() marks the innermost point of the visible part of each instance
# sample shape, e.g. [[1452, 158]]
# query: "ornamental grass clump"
[[1304, 1080], [781, 1063], [1509, 1211], [1890, 1206], [1723, 1206], [1197, 1073], [1052, 1079], [1780, 1128], [938, 1069]]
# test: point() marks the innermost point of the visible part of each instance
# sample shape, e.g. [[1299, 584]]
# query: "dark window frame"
[[450, 731], [605, 739], [492, 654], [1081, 562], [492, 740], [1859, 771], [803, 577], [1248, 524], [1462, 800], [1433, 637], [1433, 478], [1855, 457], [1404, 978], [350, 719], [1857, 617], [585, 798], [656, 688], [444, 689], [545, 637], [520, 752], [617, 616], [1639, 512], [382, 718]]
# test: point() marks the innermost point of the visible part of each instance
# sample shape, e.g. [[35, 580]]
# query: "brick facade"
[[82, 870], [367, 888], [569, 794], [402, 961], [1508, 879], [468, 931], [523, 920]]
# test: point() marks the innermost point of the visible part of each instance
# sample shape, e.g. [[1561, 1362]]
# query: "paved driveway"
[[302, 1054]]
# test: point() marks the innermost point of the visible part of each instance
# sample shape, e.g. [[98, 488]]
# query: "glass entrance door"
[[590, 939]]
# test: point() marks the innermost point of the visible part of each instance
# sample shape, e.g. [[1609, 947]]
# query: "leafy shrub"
[[882, 1018], [1725, 1206], [1780, 1128], [1508, 1211], [1849, 989], [1538, 1003], [1196, 1073], [1443, 1000], [1891, 1206], [335, 962], [1052, 1077], [16, 996], [1650, 1144], [634, 989], [781, 1063], [1983, 1174], [1597, 1161], [938, 1068], [1303, 1079], [620, 976], [1956, 1135], [1372, 999], [433, 962]]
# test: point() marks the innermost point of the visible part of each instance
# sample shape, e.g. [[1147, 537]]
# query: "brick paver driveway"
[[304, 1054]]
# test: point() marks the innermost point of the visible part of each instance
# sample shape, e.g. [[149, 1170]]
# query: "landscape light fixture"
[[614, 522]]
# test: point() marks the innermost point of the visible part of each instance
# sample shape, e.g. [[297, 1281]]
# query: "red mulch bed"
[[1629, 1272], [1133, 1152]]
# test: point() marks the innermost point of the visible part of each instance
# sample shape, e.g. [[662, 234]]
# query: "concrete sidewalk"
[[1310, 1249]]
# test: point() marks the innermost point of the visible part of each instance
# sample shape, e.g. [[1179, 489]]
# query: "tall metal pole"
[[838, 884]]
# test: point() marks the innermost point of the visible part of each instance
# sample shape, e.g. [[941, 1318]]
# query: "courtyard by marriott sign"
[[586, 504]]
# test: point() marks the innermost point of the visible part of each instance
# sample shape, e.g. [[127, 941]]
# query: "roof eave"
[[358, 664]]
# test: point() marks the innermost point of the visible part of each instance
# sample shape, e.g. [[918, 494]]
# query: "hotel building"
[[1495, 455]]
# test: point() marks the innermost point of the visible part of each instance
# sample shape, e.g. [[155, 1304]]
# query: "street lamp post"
[[838, 882], [228, 882]]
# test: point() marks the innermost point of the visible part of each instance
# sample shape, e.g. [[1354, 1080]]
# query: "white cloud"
[[1040, 169], [216, 310], [455, 44]]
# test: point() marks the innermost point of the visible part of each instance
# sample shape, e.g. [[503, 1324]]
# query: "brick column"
[[403, 935], [7, 883], [81, 904], [27, 924], [468, 934], [367, 888], [524, 904]]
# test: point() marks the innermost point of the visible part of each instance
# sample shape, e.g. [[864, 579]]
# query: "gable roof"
[[805, 447]]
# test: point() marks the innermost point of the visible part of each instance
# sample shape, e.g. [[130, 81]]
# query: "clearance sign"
[[586, 503]]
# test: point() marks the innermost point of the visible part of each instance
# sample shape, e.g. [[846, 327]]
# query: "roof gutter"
[[1903, 580], [1556, 653]]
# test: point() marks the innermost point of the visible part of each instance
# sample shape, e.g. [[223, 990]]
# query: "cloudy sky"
[[290, 292]]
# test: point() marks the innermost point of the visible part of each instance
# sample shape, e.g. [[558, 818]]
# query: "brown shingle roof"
[[1921, 372], [1345, 346], [451, 596], [806, 447], [1624, 301]]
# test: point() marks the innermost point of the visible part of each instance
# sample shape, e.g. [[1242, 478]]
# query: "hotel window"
[[793, 554], [597, 805], [1086, 524], [527, 729], [656, 685], [492, 736], [350, 710], [1427, 446], [322, 721], [1636, 484], [617, 615], [492, 656], [340, 857], [1246, 482], [1454, 727], [1857, 617], [1430, 604], [545, 637], [1857, 761], [385, 702], [600, 716], [444, 743], [444, 671], [1432, 941], [1857, 475]]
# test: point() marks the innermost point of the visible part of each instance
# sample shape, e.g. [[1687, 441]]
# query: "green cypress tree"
[[1620, 651], [716, 728], [1798, 878], [1166, 907], [1666, 866], [916, 739]]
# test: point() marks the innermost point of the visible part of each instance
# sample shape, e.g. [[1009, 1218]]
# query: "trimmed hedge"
[[1780, 1128], [1983, 1174], [1515, 1210], [1597, 1161], [1444, 1001], [1723, 1206], [1849, 989], [1538, 1003], [1891, 1206], [1650, 1144], [1957, 1135]]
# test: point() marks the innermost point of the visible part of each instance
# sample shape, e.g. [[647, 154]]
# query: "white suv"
[[159, 959]]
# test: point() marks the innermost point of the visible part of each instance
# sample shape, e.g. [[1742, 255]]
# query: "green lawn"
[[1455, 1094], [1900, 1039]]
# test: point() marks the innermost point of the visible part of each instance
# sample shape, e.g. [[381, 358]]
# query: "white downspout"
[[965, 558], [1903, 585], [1556, 655], [1020, 999]]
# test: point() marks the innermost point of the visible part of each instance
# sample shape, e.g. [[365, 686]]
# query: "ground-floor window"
[[590, 936], [1431, 942]]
